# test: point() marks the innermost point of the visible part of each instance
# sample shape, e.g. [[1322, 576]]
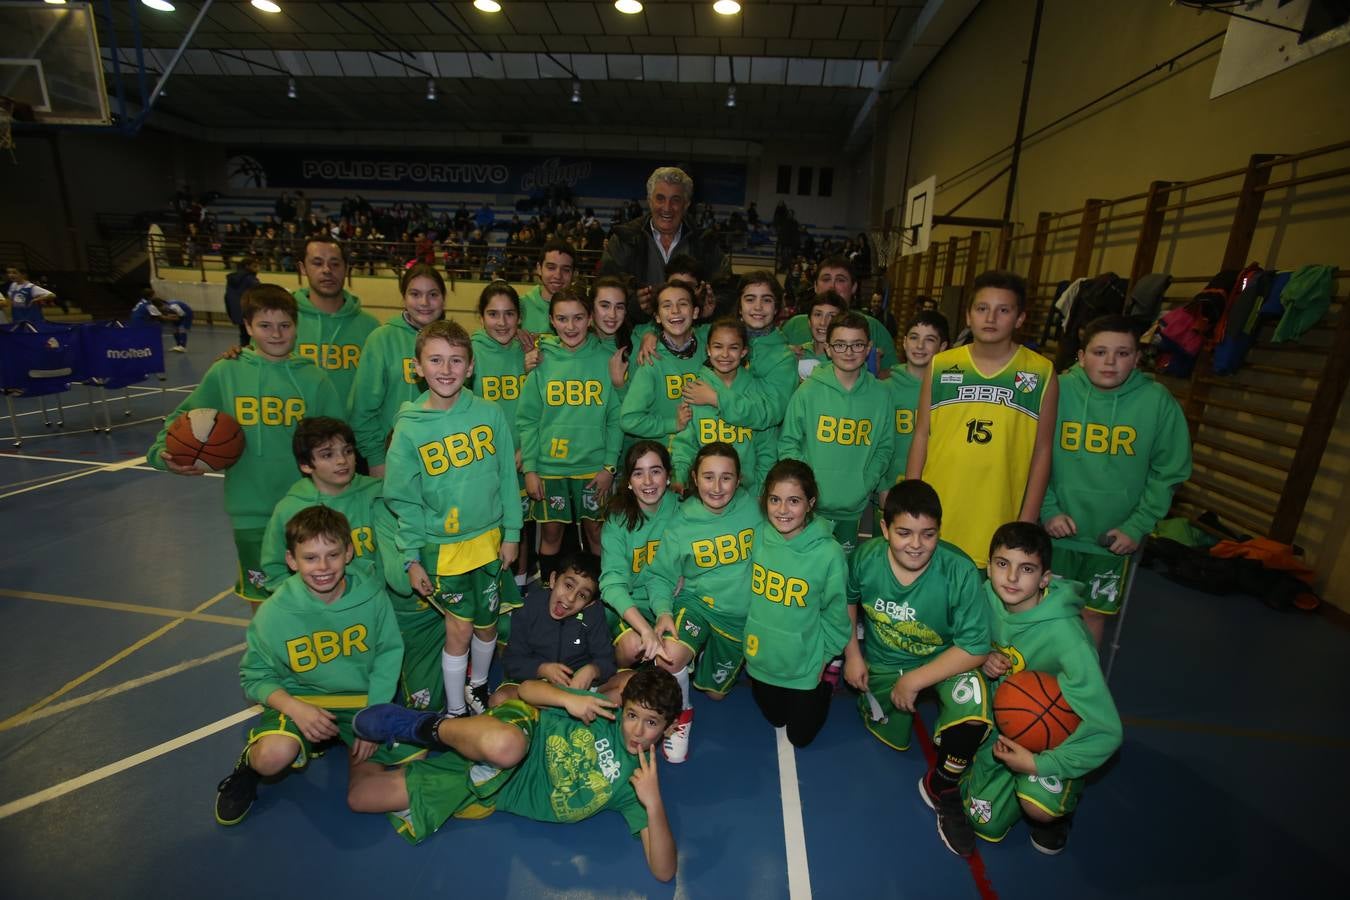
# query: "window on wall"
[[804, 175], [825, 187], [785, 179]]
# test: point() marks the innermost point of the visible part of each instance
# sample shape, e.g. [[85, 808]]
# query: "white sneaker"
[[675, 748], [177, 349]]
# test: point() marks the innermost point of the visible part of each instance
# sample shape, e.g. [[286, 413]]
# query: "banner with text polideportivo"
[[487, 172]]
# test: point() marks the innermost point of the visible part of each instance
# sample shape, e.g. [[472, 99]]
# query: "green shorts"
[[1103, 574], [567, 500], [450, 785], [422, 682], [716, 646], [991, 793], [476, 596], [274, 722], [961, 698], [846, 532], [249, 583]]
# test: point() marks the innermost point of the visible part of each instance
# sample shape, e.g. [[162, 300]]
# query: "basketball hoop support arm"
[[168, 70]]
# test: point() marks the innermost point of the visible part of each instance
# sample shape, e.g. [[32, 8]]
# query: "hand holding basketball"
[[204, 439], [1013, 755]]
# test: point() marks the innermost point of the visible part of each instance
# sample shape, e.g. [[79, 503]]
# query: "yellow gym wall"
[[964, 108]]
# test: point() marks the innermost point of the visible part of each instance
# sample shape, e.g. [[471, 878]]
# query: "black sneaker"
[[476, 698], [952, 825], [235, 795], [1050, 838]]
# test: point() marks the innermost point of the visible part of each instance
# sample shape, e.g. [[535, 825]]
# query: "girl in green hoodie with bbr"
[[268, 391], [386, 376], [798, 617]]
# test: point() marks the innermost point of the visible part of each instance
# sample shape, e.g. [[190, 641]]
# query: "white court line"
[[794, 833], [60, 431], [122, 688], [146, 392], [111, 467], [4, 454], [88, 778]]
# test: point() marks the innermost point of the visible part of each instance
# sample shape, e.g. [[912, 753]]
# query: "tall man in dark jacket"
[[241, 279], [642, 248]]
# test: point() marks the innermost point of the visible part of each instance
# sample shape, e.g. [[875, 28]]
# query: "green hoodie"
[[626, 557], [499, 375], [1050, 638], [333, 341], [711, 552], [797, 330], [845, 436], [711, 423], [534, 316], [656, 391], [904, 388], [357, 503], [385, 380], [1118, 456], [798, 616], [267, 399], [568, 415], [451, 474], [345, 654], [774, 366]]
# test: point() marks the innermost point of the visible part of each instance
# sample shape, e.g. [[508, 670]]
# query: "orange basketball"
[[206, 438], [1029, 709]]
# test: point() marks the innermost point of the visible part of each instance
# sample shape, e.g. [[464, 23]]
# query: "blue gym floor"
[[121, 710]]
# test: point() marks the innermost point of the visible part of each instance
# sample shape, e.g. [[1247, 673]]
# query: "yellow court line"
[[1229, 731], [113, 660], [66, 706], [130, 607]]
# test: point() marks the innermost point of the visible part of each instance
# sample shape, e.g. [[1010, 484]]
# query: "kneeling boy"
[[926, 627], [1037, 625], [554, 755], [311, 694]]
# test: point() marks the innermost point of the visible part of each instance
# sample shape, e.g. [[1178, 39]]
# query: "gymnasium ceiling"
[[803, 69]]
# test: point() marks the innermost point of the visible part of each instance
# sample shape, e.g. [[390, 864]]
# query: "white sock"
[[454, 669], [682, 678], [480, 657]]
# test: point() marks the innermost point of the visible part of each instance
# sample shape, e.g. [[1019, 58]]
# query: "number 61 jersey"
[[981, 434]]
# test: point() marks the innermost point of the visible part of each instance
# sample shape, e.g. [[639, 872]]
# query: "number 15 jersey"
[[981, 435]]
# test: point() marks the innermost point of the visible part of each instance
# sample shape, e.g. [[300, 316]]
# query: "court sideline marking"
[[126, 607], [974, 862], [87, 462], [794, 833], [113, 660], [110, 467], [88, 778], [58, 708], [143, 392]]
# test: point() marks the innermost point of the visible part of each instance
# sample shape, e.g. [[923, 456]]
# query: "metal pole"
[[1127, 588], [1022, 113], [168, 70], [13, 421]]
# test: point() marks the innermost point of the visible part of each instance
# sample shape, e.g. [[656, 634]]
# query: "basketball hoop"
[[7, 127]]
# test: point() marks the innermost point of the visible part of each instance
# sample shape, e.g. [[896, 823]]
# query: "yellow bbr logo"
[[363, 539], [268, 410], [409, 370], [331, 356], [1017, 662], [643, 555], [710, 430], [501, 387], [1093, 438], [675, 385], [724, 549], [904, 421], [457, 450], [849, 432], [308, 651], [774, 587], [572, 393]]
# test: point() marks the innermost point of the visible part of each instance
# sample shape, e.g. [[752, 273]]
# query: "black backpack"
[[1102, 296]]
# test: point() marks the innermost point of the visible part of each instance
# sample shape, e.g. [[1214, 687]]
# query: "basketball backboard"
[[1284, 33], [50, 61], [919, 202]]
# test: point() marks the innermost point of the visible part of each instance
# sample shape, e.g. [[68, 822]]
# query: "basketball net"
[[7, 129]]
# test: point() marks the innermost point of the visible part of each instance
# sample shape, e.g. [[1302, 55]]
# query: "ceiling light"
[[628, 7], [266, 6], [731, 96], [431, 89], [726, 7], [57, 2], [161, 5], [576, 92], [487, 5], [290, 88]]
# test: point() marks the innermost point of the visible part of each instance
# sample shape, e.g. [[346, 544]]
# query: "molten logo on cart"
[[130, 353]]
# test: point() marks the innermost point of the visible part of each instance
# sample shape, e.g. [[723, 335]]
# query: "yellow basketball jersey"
[[981, 436]]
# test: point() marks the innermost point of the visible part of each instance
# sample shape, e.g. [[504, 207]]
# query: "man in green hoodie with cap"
[[1121, 448], [333, 328], [839, 422], [1036, 625], [268, 391]]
